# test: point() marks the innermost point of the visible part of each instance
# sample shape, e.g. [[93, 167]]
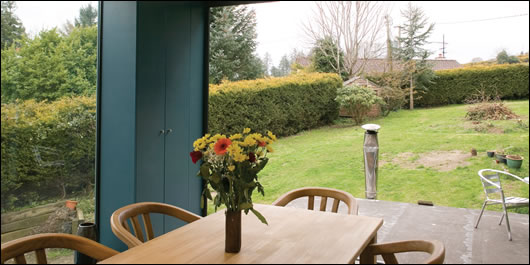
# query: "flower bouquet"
[[230, 167]]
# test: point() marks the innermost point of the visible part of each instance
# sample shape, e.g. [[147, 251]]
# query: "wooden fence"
[[22, 223]]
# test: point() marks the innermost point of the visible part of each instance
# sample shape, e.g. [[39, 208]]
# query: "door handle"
[[168, 131], [161, 132]]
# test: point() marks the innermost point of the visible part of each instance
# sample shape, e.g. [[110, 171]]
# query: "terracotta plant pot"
[[514, 161], [491, 153], [71, 204]]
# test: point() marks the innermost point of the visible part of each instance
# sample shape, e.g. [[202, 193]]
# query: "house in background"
[[376, 66], [359, 81]]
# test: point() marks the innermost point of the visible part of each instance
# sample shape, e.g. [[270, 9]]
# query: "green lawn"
[[332, 157]]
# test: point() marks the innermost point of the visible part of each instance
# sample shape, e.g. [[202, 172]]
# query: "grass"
[[333, 157]]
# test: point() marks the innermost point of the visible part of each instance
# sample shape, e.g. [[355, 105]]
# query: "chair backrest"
[[324, 193], [120, 227], [38, 243], [491, 182], [388, 250]]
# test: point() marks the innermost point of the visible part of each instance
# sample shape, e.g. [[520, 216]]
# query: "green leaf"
[[215, 177], [205, 170], [245, 205], [260, 217], [208, 194]]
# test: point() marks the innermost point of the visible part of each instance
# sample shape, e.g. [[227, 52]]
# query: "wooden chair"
[[388, 250], [324, 193], [120, 227], [18, 247]]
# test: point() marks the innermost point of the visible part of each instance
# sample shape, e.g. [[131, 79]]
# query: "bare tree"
[[355, 27]]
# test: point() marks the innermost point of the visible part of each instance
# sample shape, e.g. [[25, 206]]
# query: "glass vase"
[[233, 231]]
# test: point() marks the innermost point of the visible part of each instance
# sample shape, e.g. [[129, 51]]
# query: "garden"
[[425, 154]]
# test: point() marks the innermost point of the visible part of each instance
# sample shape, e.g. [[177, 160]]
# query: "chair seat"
[[513, 201]]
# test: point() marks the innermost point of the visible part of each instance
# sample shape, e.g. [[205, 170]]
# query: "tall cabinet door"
[[170, 76], [177, 109], [151, 112]]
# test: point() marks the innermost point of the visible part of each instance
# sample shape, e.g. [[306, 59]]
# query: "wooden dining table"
[[292, 235]]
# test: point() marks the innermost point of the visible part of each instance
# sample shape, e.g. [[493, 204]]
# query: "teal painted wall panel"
[[177, 107], [152, 78], [117, 115], [151, 107], [199, 24]]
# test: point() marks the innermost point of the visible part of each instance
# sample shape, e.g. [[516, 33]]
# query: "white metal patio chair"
[[492, 184]]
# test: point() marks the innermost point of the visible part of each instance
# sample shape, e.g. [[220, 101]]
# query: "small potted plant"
[[514, 161], [71, 204], [501, 157]]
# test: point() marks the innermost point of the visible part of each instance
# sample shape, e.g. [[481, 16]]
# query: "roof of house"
[[360, 81], [380, 65]]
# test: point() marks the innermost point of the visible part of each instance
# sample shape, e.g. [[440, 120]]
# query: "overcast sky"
[[279, 25]]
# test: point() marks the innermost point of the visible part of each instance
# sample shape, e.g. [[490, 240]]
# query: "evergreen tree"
[[412, 53], [50, 66], [285, 66], [324, 61], [233, 44], [12, 28], [275, 71], [267, 61], [88, 16]]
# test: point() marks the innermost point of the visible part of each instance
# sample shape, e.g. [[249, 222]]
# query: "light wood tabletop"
[[292, 236]]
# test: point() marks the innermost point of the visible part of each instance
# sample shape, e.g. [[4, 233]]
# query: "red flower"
[[251, 157], [195, 156], [262, 144], [221, 146]]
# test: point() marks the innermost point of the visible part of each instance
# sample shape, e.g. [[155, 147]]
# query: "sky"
[[279, 25]]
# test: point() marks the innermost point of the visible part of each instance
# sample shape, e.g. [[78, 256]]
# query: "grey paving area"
[[453, 226]]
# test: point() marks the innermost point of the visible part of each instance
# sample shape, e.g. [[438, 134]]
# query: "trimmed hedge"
[[285, 105], [509, 81], [47, 149]]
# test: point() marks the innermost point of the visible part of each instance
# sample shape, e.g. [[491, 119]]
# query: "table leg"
[[366, 257]]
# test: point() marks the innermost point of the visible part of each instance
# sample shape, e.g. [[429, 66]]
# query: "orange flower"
[[262, 144], [221, 146]]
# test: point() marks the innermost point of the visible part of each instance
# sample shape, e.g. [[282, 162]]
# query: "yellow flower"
[[199, 144], [231, 167], [269, 149], [249, 141], [246, 130], [236, 136], [271, 135]]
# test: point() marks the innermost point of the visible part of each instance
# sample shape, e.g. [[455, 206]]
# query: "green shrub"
[[48, 149], [456, 85], [357, 100], [285, 105]]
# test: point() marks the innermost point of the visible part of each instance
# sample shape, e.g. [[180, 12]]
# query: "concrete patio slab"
[[488, 244]]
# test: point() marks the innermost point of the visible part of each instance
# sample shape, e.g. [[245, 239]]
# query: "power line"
[[478, 20]]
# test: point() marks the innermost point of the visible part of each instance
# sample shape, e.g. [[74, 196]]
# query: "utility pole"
[[443, 45], [388, 43], [399, 36]]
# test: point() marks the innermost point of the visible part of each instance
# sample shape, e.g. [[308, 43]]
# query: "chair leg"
[[502, 217], [480, 215], [507, 222]]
